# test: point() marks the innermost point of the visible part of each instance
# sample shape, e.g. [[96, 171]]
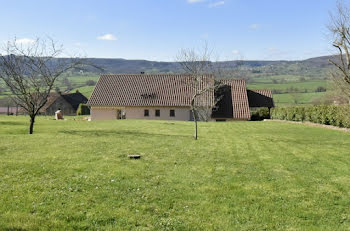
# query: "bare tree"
[[197, 65], [296, 97], [30, 71], [340, 28], [202, 72]]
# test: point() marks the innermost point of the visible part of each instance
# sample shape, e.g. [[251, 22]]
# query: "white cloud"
[[216, 4], [254, 26], [24, 41], [107, 37]]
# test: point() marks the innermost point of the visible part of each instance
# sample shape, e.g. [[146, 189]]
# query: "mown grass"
[[75, 175]]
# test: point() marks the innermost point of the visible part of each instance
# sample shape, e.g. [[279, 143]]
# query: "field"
[[291, 89], [307, 85], [75, 175], [86, 90], [302, 98]]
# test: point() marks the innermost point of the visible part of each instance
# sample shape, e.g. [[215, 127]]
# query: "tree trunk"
[[195, 130], [31, 126], [194, 117], [195, 124]]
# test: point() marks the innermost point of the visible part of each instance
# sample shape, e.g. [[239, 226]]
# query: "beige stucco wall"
[[181, 113], [110, 113], [103, 113]]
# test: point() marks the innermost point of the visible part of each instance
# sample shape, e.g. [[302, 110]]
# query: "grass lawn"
[[75, 175]]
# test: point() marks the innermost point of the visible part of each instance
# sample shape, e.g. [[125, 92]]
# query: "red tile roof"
[[239, 98], [264, 92], [147, 90]]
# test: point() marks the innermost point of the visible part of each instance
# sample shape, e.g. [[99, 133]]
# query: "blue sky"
[[158, 29]]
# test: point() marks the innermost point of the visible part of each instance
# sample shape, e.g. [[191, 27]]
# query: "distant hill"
[[314, 67]]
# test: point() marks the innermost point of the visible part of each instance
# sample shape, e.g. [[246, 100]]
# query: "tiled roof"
[[260, 98], [239, 98], [147, 90], [75, 99], [50, 100]]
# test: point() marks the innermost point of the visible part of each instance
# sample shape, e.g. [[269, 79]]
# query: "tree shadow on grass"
[[98, 133], [12, 123]]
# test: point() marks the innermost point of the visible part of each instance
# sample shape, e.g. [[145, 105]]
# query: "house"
[[168, 97], [68, 103]]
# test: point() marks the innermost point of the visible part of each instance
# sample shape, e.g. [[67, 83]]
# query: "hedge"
[[83, 109], [260, 114], [336, 115]]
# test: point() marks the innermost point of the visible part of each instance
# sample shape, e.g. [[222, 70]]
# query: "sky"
[[158, 29]]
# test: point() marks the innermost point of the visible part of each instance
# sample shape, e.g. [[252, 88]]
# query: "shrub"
[[320, 89], [90, 83], [83, 109], [260, 114], [322, 114]]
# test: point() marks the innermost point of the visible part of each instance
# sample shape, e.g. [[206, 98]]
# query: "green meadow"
[[287, 99], [75, 175], [307, 85]]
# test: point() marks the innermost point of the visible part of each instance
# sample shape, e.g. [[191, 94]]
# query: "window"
[[146, 112], [172, 113], [157, 112]]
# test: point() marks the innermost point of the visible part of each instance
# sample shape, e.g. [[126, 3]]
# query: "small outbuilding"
[[68, 103]]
